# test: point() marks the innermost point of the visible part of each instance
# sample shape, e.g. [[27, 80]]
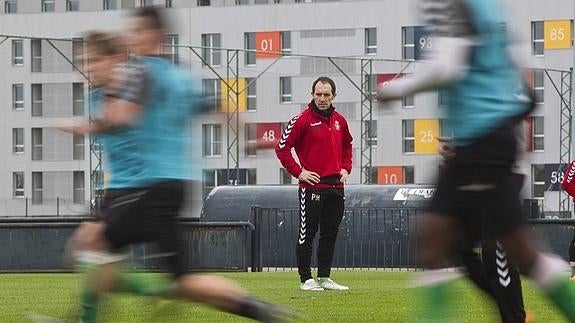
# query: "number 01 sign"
[[268, 44]]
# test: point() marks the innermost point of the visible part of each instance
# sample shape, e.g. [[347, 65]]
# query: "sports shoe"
[[310, 284], [327, 283]]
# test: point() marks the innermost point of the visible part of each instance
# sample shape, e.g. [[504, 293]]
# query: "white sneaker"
[[327, 283], [310, 284]]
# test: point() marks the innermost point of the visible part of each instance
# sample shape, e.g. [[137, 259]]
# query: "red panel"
[[268, 44], [383, 78], [268, 135], [390, 175]]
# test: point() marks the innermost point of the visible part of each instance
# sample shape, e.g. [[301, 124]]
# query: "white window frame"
[[78, 149], [539, 183], [78, 99], [370, 44], [535, 41], [371, 132], [107, 4], [251, 139], [17, 60], [539, 86], [285, 42], [18, 103], [18, 141], [48, 4], [405, 138], [171, 48], [37, 101], [405, 45], [37, 143], [209, 52], [18, 185], [538, 133], [286, 97], [9, 5], [37, 187], [70, 5], [250, 47], [78, 182], [210, 143], [251, 94]]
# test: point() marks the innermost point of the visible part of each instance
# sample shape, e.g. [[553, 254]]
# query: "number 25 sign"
[[268, 44]]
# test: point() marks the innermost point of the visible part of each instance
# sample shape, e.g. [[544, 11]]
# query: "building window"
[[538, 180], [370, 41], [10, 6], [212, 139], [539, 86], [211, 54], [242, 2], [47, 5], [37, 145], [18, 184], [127, 4], [37, 187], [79, 187], [203, 3], [442, 99], [371, 131], [409, 102], [408, 175], [171, 49], [18, 140], [36, 45], [538, 133], [18, 96], [17, 52], [250, 46], [78, 53], [217, 177], [145, 3], [285, 90], [261, 2], [285, 177], [286, 43], [408, 136], [370, 86], [251, 139], [537, 38], [78, 99], [251, 94], [72, 5], [168, 3], [78, 149], [37, 100], [408, 41], [211, 90], [110, 4]]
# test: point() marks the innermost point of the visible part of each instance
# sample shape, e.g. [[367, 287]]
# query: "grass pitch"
[[374, 296]]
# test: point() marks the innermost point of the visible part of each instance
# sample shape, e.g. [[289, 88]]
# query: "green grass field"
[[374, 296]]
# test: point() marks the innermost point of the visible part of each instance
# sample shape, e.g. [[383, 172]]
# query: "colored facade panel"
[[268, 135], [557, 34], [426, 133], [390, 175], [229, 100], [268, 44]]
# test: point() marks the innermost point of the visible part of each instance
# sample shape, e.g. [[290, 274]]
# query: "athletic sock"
[[254, 309], [433, 294], [551, 274], [149, 285], [89, 299]]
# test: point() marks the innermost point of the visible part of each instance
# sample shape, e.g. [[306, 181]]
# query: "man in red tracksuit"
[[321, 139], [568, 185]]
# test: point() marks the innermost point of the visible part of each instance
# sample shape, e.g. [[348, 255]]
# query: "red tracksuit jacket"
[[321, 145], [568, 183]]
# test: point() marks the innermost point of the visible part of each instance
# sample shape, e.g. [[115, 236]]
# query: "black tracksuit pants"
[[319, 209], [493, 274]]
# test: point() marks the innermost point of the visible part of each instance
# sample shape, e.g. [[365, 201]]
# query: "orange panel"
[[389, 174], [268, 44]]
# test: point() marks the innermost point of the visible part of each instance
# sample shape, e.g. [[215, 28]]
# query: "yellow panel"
[[229, 91], [426, 133], [557, 34]]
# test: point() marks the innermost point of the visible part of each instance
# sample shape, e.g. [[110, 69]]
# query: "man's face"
[[141, 38], [99, 66], [322, 96]]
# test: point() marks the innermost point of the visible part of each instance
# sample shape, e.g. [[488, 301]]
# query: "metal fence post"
[[26, 206], [256, 257], [57, 206]]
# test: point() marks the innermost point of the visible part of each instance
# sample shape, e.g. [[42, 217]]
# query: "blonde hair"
[[105, 43]]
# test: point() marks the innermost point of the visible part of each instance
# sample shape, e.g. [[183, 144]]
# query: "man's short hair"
[[153, 17], [323, 79], [104, 43]]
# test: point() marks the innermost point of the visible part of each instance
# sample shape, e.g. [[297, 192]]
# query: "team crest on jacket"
[[337, 126]]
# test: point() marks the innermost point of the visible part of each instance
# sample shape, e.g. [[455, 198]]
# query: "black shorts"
[[146, 215], [478, 187]]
